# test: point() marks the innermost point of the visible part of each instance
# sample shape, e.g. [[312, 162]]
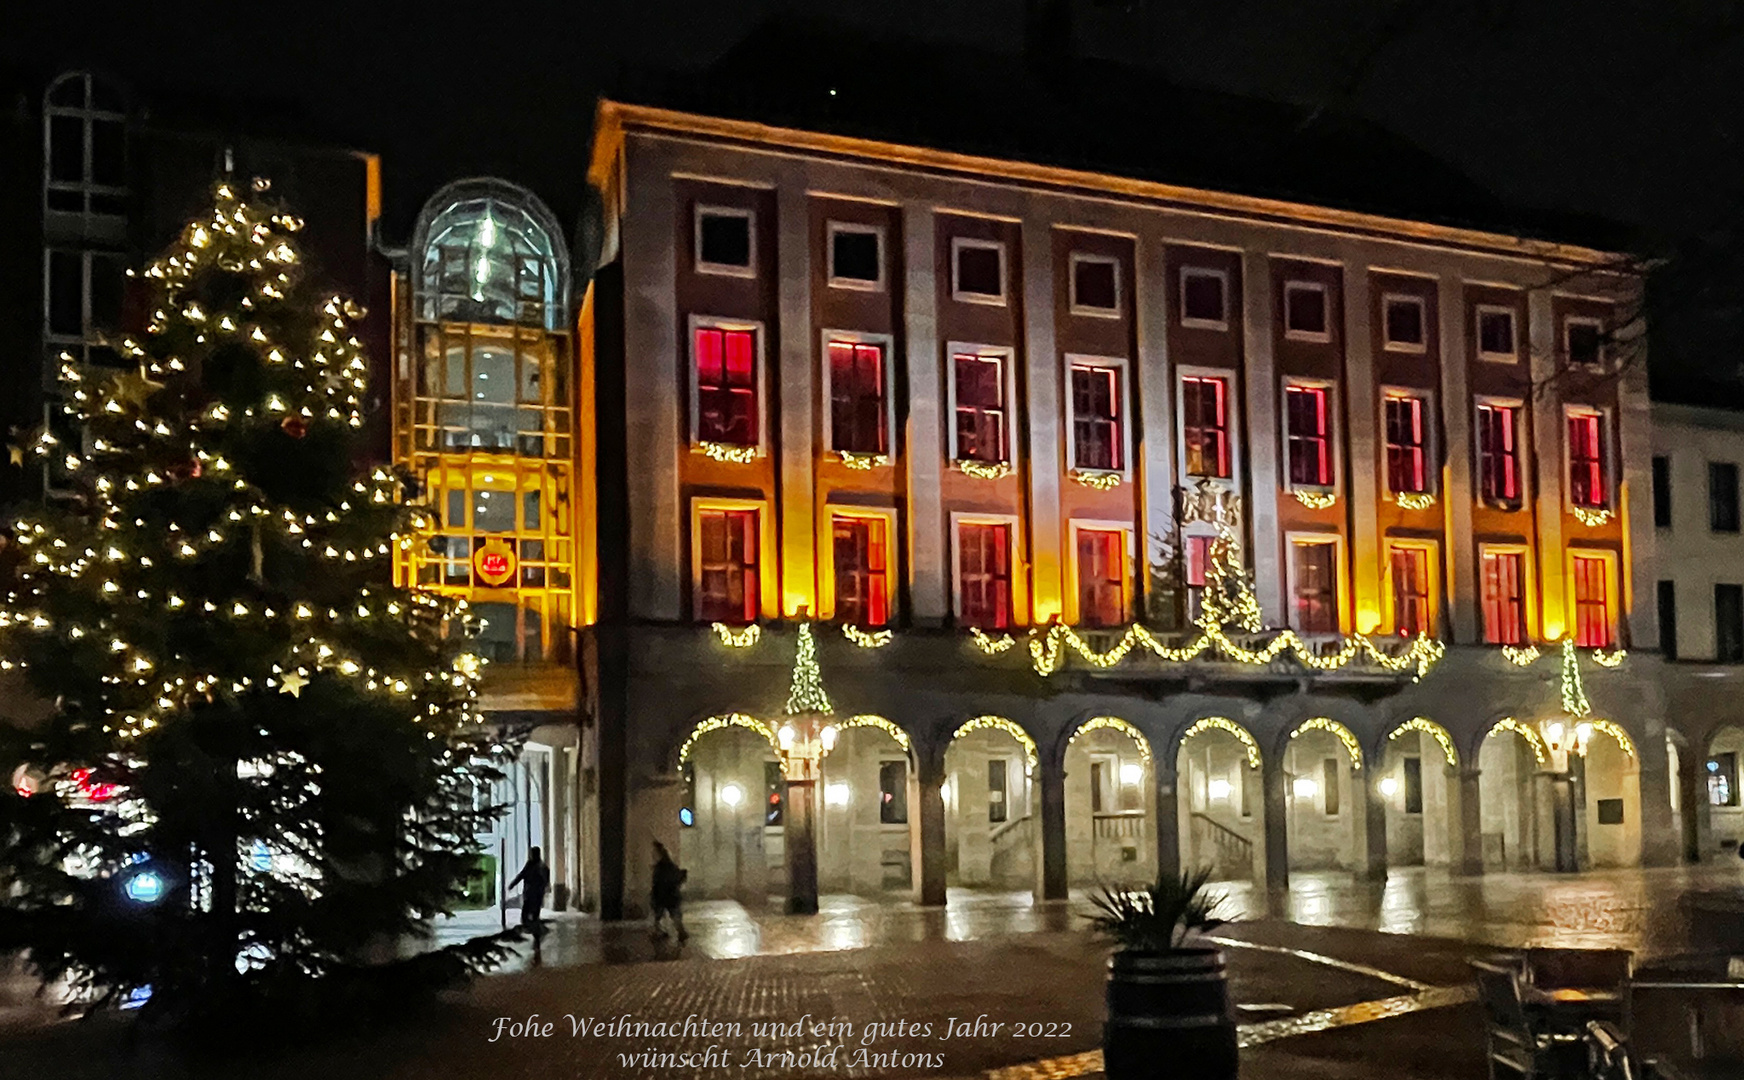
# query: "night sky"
[[1625, 108]]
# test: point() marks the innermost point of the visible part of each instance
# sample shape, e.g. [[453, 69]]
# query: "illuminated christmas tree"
[[806, 693], [262, 769]]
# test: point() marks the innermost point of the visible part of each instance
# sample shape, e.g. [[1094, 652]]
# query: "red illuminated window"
[[1315, 587], [1205, 424], [1096, 417], [981, 412], [1411, 599], [859, 414], [1407, 469], [726, 588], [1310, 446], [1101, 577], [1586, 459], [1196, 558], [1592, 601], [1498, 454], [1504, 598], [726, 386], [984, 575], [862, 584]]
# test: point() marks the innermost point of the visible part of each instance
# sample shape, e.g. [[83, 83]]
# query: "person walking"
[[668, 893], [536, 876]]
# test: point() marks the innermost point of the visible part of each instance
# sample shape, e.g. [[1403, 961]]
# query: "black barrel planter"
[[1169, 1015]]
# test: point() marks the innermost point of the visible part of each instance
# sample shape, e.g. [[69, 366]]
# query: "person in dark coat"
[[668, 893], [536, 876]]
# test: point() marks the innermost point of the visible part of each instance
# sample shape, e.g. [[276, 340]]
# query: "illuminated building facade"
[[975, 416]]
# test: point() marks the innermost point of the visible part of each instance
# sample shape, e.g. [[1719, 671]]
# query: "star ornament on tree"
[[294, 683], [136, 388]]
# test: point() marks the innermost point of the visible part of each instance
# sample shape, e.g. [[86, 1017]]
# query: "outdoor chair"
[[1574, 986], [1516, 1044]]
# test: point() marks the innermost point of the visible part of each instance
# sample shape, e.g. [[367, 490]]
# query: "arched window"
[[488, 252], [84, 146]]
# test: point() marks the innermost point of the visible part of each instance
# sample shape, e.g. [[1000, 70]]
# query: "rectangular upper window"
[[1587, 486], [1592, 601], [893, 792], [1583, 342], [1305, 314], [1499, 454], [1407, 444], [725, 241], [1403, 323], [856, 256], [1729, 624], [978, 386], [1102, 584], [1205, 424], [1722, 497], [1496, 339], [862, 570], [1504, 597], [726, 587], [984, 574], [1204, 298], [727, 386], [859, 397], [978, 271], [1667, 605], [1095, 285], [1314, 586], [1662, 492], [1196, 567], [1413, 600], [1307, 427], [1098, 415]]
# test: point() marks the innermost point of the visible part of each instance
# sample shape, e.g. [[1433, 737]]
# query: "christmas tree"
[[265, 768]]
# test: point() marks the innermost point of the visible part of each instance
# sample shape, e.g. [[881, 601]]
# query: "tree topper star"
[[136, 388]]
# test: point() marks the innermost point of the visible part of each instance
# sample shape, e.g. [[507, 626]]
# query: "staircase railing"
[[1234, 851]]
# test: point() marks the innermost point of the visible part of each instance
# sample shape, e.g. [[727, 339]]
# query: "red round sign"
[[494, 563]]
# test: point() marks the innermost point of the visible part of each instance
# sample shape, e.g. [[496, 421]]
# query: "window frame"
[[1524, 497], [1417, 348], [1007, 357], [1528, 595], [759, 378], [1295, 539], [1073, 306], [1570, 321], [767, 580], [1222, 277], [999, 299], [1125, 530], [1607, 471], [1659, 478], [1613, 593], [827, 566], [1737, 499], [1019, 598], [88, 114], [1478, 313], [1232, 423], [1426, 400], [1432, 564], [887, 343], [1123, 367], [1714, 594], [1292, 334], [1334, 456], [698, 212], [833, 229]]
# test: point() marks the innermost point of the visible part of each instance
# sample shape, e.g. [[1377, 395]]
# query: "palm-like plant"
[[1159, 917]]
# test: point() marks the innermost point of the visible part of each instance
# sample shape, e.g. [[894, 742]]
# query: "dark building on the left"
[[97, 175]]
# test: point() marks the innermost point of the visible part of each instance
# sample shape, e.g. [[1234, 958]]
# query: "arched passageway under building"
[[1514, 822], [1417, 783], [1110, 790], [1325, 801], [1220, 805], [866, 823], [992, 811]]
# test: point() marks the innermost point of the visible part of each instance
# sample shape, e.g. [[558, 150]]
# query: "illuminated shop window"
[[1407, 442], [1504, 597]]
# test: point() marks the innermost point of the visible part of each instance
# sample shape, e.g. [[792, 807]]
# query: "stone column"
[[1372, 826], [1471, 822], [1659, 842], [1260, 451], [1697, 817], [1045, 417], [929, 853], [796, 376], [1054, 877], [924, 452], [800, 818], [1458, 563], [1155, 449], [1547, 481], [1168, 822], [1364, 466], [1276, 805]]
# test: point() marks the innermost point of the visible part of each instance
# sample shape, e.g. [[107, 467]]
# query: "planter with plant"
[[1168, 998]]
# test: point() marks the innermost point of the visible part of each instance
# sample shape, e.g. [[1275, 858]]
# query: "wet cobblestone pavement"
[[1368, 982]]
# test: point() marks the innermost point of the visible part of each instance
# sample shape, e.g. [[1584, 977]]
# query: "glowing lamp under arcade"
[[732, 795], [1305, 788], [1389, 786], [1219, 789], [836, 794]]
